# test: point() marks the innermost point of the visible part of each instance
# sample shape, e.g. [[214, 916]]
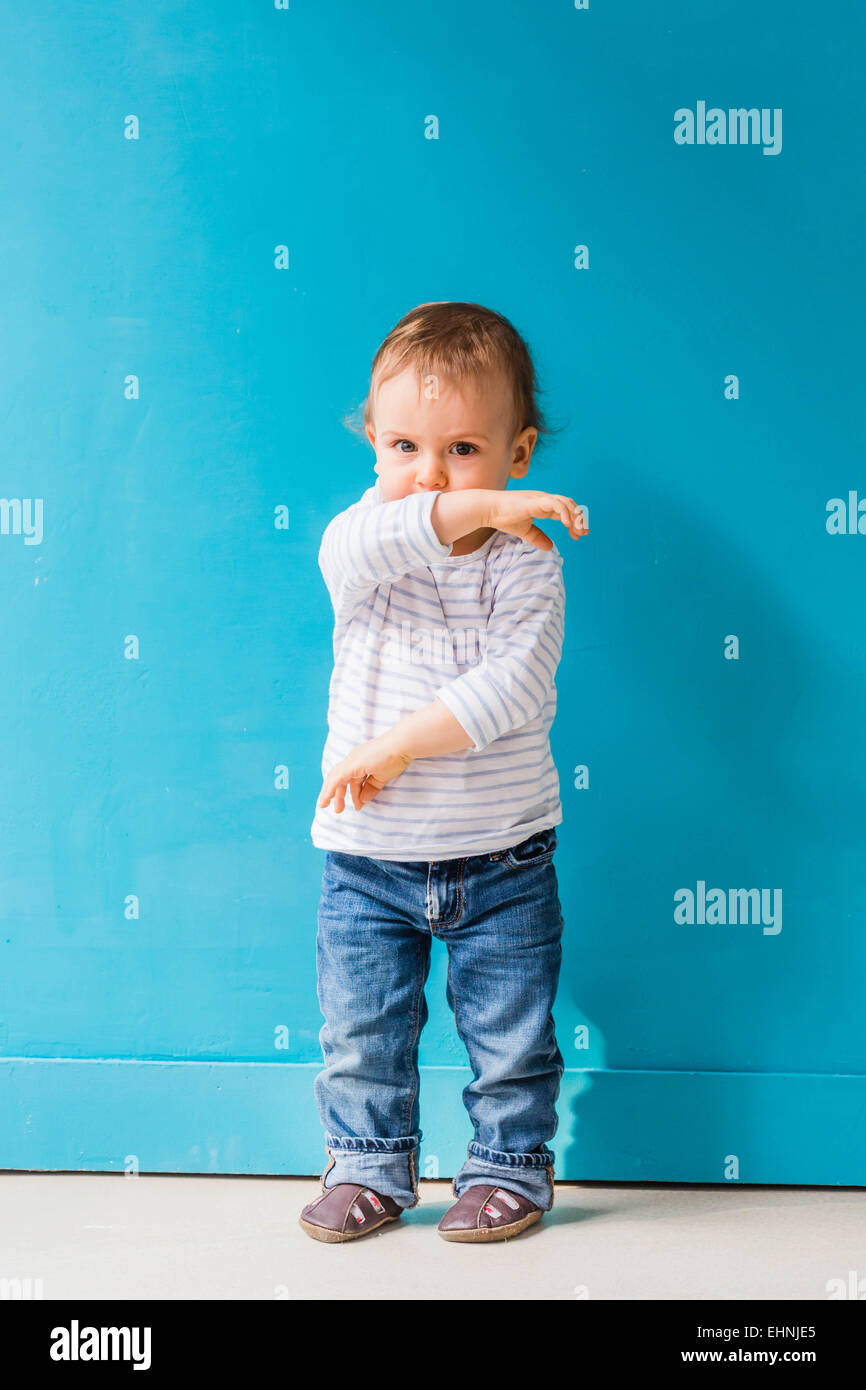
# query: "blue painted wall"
[[173, 390]]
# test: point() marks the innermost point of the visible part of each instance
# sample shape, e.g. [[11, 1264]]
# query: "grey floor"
[[102, 1236]]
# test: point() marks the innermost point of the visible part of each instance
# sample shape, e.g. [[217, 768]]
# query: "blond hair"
[[462, 342]]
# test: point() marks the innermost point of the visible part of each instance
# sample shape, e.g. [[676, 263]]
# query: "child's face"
[[460, 439]]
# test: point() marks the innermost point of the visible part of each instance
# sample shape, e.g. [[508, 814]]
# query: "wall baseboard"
[[109, 1115]]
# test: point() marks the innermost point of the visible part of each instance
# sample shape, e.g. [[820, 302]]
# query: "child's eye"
[[461, 444]]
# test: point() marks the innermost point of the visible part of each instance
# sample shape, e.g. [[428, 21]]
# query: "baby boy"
[[440, 798]]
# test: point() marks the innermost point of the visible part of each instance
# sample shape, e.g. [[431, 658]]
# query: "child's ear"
[[522, 452], [371, 434]]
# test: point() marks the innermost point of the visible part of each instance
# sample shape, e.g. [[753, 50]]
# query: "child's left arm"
[[425, 732], [523, 648], [507, 689]]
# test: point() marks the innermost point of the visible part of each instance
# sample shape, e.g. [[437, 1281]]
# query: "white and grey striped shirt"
[[481, 632]]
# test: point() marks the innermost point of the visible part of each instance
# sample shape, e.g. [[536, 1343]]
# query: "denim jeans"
[[500, 918]]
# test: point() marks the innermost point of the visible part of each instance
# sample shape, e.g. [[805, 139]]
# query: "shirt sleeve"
[[368, 545], [522, 650]]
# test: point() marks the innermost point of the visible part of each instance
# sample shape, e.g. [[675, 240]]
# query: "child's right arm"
[[365, 546]]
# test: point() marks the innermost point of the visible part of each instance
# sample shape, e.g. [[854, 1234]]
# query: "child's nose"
[[431, 474]]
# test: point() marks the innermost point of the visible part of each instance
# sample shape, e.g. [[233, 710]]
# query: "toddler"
[[448, 626]]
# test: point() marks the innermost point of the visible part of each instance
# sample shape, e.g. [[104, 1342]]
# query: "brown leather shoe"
[[346, 1211], [488, 1213]]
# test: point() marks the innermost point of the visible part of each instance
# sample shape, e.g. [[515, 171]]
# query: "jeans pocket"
[[536, 849]]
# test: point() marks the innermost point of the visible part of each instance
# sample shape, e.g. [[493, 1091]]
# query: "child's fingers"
[[350, 785], [577, 521], [563, 508], [350, 779], [535, 536], [544, 503], [329, 788], [570, 514], [337, 785]]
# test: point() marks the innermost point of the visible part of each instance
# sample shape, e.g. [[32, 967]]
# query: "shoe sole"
[[333, 1237], [484, 1233]]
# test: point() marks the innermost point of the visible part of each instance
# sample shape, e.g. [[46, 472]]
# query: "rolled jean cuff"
[[389, 1166], [530, 1174]]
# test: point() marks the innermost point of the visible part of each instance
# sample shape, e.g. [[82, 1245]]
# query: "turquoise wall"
[[173, 388]]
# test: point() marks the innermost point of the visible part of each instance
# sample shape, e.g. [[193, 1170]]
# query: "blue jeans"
[[500, 917]]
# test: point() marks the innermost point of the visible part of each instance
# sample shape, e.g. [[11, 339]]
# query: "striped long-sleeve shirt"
[[481, 632]]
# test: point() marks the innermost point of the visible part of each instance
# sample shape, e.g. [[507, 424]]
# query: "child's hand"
[[514, 511], [365, 772]]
